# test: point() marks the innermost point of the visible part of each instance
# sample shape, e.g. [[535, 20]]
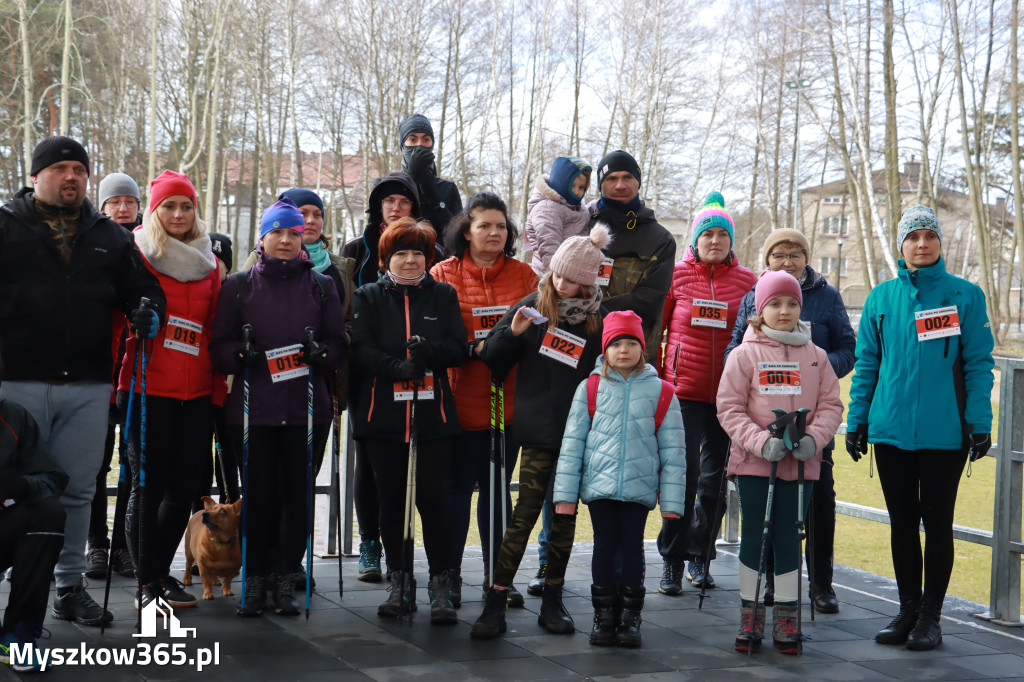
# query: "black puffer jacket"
[[387, 314], [55, 319], [544, 387]]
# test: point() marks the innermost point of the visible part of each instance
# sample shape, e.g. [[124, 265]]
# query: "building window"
[[832, 200], [827, 267], [831, 224]]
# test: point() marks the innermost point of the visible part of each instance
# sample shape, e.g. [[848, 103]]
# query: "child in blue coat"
[[623, 447]]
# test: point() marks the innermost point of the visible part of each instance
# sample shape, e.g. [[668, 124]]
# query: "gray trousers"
[[72, 421]]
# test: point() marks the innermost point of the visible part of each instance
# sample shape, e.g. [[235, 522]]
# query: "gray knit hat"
[[118, 185], [578, 258], [918, 217]]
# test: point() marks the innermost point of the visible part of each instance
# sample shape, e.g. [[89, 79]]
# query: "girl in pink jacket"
[[776, 366]]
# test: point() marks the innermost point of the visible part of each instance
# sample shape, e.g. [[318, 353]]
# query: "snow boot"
[[491, 622], [751, 627], [627, 633], [605, 600], [553, 616]]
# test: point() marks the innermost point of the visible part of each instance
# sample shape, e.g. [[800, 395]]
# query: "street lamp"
[[797, 85], [839, 258]]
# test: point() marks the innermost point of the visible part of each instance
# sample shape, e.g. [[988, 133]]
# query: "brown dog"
[[211, 542]]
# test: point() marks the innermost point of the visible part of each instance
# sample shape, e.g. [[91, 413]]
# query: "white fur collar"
[[542, 186], [183, 261]]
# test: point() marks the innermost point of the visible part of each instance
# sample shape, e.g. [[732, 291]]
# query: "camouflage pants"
[[536, 469]]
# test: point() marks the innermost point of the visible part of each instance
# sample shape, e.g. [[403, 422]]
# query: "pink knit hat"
[[621, 323], [578, 258], [775, 284]]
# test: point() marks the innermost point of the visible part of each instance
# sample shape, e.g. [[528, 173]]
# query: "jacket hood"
[[377, 194]]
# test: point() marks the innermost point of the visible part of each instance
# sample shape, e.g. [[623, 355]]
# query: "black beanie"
[[413, 123], [56, 149], [221, 245], [616, 161]]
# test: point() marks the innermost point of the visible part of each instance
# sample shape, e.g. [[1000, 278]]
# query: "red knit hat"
[[168, 184], [622, 323]]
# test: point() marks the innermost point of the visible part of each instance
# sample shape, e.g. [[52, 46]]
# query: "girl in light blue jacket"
[[623, 447]]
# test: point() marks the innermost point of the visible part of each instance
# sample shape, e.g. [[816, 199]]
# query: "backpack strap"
[[668, 394], [592, 382]]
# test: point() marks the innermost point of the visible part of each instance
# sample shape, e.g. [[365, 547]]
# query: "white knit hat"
[[578, 258]]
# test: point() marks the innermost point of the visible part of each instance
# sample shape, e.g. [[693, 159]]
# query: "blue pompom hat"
[[283, 213]]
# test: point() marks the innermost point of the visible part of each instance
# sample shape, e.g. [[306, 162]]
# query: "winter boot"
[[439, 593], [369, 561], [788, 639], [399, 601], [672, 577], [455, 585], [553, 616], [824, 599], [627, 634], [927, 633], [283, 596], [491, 622], [605, 599], [535, 587], [515, 597], [751, 627], [897, 631], [255, 595]]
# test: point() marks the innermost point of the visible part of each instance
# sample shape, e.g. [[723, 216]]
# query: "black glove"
[[313, 353], [420, 349], [420, 164], [121, 403], [144, 323], [857, 442], [12, 485], [409, 369], [248, 356], [981, 443]]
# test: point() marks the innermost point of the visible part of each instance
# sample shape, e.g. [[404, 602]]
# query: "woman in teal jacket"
[[921, 394]]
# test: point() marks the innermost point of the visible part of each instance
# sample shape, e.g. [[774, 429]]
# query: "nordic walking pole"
[[503, 482], [336, 444], [810, 546], [247, 344], [140, 345], [712, 533], [309, 474], [765, 534], [491, 486], [800, 552], [408, 542]]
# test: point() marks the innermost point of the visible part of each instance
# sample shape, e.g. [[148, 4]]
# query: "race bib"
[[183, 335], [563, 347], [484, 319], [709, 314], [604, 273], [778, 378], [937, 323], [424, 388], [284, 363]]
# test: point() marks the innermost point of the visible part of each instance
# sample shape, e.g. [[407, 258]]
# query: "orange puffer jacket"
[[500, 286], [693, 353]]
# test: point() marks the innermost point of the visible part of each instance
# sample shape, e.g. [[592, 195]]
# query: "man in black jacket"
[[31, 526], [439, 199], [64, 270]]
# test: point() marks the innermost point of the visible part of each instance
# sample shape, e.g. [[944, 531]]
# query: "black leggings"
[[364, 491], [390, 461], [618, 531], [921, 486], [98, 515], [224, 466]]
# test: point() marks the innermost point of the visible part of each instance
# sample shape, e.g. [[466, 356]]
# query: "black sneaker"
[[148, 593], [121, 563], [535, 587], [298, 578], [76, 605], [175, 595], [671, 578], [283, 597], [255, 595], [96, 562]]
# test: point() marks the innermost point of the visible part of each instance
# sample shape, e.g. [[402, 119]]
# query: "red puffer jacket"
[[693, 353], [502, 285], [181, 370]]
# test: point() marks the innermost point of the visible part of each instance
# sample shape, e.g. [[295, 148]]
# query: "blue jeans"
[[545, 523]]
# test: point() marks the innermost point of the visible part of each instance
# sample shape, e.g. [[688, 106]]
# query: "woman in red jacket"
[[180, 384], [707, 287], [488, 281]]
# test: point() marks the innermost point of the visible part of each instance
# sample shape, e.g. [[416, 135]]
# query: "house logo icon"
[[160, 609]]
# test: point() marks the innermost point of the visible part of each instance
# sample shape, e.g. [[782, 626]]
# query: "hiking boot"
[[455, 586], [788, 639], [369, 561], [491, 622], [898, 629], [400, 601], [96, 562], [255, 594], [698, 572], [22, 635], [516, 600], [671, 578], [147, 593], [442, 611], [282, 599], [121, 563], [535, 588], [76, 605], [927, 633], [751, 627], [824, 599], [298, 577], [175, 595], [604, 599], [553, 616], [627, 632]]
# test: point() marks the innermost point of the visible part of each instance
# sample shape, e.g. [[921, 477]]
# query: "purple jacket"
[[281, 299]]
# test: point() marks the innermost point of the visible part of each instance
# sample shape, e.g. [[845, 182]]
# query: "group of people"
[[612, 374]]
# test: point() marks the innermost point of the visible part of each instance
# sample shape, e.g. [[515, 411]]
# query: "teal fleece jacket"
[[921, 395]]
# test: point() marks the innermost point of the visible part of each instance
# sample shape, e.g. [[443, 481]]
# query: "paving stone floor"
[[344, 640]]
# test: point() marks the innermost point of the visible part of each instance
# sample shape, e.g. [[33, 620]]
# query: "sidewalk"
[[344, 640]]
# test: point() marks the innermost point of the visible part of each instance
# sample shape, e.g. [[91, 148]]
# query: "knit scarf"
[[406, 282], [575, 310], [319, 255], [800, 335]]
